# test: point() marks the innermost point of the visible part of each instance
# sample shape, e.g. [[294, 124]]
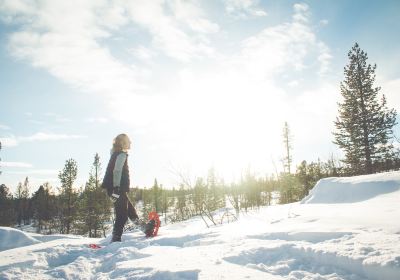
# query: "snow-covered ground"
[[347, 228]]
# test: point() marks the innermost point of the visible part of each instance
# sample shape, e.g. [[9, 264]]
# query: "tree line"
[[67, 210], [364, 131]]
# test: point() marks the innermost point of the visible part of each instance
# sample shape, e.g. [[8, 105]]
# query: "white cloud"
[[40, 136], [50, 114], [33, 171], [167, 36], [56, 117], [12, 141], [36, 122], [301, 12], [62, 37], [5, 127], [15, 164], [324, 58], [9, 141], [294, 83], [62, 120], [284, 47], [97, 120], [324, 22], [191, 14], [143, 52], [244, 8]]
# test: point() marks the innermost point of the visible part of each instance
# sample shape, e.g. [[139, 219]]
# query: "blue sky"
[[195, 84]]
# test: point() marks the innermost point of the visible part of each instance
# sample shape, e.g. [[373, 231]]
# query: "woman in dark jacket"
[[116, 181]]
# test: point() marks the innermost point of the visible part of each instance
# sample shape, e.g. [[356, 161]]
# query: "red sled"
[[153, 218], [94, 246]]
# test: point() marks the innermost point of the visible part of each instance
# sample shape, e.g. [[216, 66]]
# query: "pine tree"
[[103, 203], [22, 202], [180, 207], [94, 205], [39, 207], [27, 213], [287, 160], [87, 213], [215, 198], [164, 203], [68, 196], [365, 124], [156, 196], [7, 215], [51, 207], [18, 204]]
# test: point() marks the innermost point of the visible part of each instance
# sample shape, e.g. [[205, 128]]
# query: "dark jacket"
[[108, 181]]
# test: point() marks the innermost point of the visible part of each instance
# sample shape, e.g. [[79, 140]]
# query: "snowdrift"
[[13, 238], [353, 189]]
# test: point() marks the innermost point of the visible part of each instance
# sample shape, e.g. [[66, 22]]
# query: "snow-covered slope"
[[348, 228], [12, 238], [353, 189]]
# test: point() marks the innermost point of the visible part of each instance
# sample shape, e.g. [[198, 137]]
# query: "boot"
[[115, 238]]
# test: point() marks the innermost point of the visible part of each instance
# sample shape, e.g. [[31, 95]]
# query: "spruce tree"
[[7, 215], [156, 196], [94, 205], [39, 207], [364, 126], [164, 203], [27, 213], [68, 196], [18, 204], [103, 203], [287, 161], [22, 202]]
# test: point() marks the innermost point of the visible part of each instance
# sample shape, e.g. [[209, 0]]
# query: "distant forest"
[[364, 131]]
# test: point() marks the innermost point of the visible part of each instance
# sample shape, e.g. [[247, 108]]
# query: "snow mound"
[[12, 238], [353, 189]]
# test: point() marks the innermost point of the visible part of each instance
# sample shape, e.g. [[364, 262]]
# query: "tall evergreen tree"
[[95, 206], [68, 195], [287, 160], [6, 207], [156, 196], [19, 210], [103, 203], [215, 198], [22, 202], [365, 124], [39, 207], [164, 203], [26, 203]]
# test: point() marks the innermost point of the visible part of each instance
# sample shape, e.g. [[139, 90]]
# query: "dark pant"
[[123, 209]]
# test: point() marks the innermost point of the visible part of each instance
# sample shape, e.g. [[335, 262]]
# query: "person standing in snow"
[[116, 181]]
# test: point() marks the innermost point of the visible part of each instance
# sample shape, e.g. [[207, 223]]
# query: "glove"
[[115, 195]]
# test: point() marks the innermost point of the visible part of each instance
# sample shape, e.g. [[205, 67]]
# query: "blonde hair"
[[121, 143]]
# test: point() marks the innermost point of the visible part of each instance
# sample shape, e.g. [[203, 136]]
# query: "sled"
[[153, 224], [94, 246], [149, 227]]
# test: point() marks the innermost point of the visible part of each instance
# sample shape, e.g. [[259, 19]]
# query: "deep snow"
[[347, 228]]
